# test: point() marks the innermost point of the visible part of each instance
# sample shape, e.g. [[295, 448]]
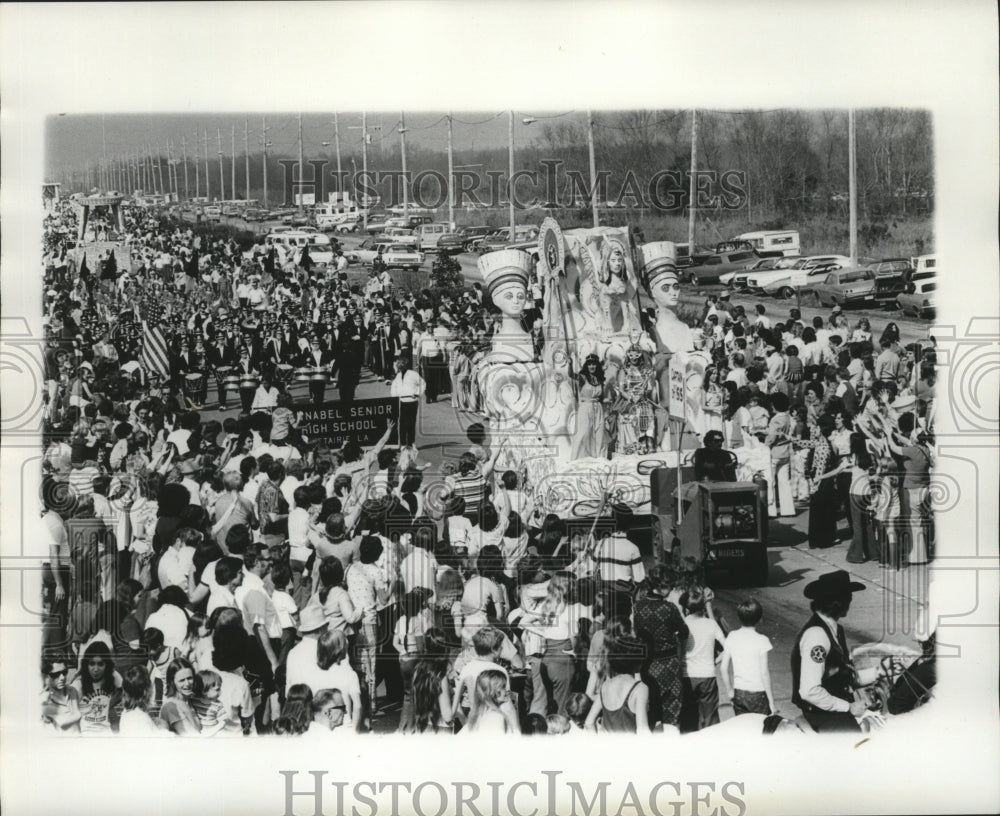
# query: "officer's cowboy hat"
[[832, 584]]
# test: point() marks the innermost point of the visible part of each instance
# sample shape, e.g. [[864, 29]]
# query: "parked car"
[[415, 221], [719, 264], [784, 282], [687, 258], [255, 214], [400, 255], [891, 277], [429, 234], [919, 302], [461, 240], [501, 238], [212, 213], [348, 226], [853, 286], [376, 223], [760, 265], [395, 253], [364, 253]]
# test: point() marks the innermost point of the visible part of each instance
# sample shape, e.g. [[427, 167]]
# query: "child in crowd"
[[206, 703], [746, 650], [700, 706]]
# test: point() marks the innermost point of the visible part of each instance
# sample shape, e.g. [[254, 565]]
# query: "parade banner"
[[365, 421]]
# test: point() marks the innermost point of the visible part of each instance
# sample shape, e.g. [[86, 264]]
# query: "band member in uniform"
[[246, 368], [219, 354], [318, 357], [350, 356], [823, 678]]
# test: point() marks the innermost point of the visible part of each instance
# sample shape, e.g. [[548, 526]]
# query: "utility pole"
[[593, 169], [402, 153], [246, 152], [159, 169], [510, 173], [451, 174], [853, 187], [693, 188], [184, 152], [104, 144], [232, 161], [208, 185], [197, 168], [336, 141], [263, 141], [301, 194], [152, 170], [222, 174], [364, 163]]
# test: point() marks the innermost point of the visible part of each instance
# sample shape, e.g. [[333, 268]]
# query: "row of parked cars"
[[907, 284]]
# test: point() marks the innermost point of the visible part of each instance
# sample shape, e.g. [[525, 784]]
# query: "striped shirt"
[[618, 559], [471, 487]]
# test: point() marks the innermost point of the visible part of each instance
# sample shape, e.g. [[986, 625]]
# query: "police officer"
[[823, 678]]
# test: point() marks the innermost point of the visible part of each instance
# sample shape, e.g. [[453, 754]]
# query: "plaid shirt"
[[268, 501]]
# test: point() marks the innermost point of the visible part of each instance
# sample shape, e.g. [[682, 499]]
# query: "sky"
[[72, 140]]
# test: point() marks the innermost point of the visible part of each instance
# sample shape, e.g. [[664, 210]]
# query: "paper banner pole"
[[680, 437]]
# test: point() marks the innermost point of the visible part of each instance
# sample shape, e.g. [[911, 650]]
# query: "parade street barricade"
[[365, 421]]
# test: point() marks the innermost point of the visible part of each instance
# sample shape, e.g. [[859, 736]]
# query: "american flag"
[[154, 358]]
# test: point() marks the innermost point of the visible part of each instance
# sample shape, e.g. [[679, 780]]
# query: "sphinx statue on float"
[[528, 403]]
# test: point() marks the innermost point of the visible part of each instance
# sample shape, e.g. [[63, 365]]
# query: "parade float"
[[595, 281]]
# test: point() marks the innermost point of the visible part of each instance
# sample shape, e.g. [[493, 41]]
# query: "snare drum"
[[193, 384], [228, 378], [247, 382], [303, 374], [283, 372], [319, 375]]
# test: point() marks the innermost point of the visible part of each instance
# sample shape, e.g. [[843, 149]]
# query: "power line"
[[483, 122]]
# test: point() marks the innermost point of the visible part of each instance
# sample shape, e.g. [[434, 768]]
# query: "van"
[[415, 221], [772, 243], [291, 242], [333, 214], [429, 234]]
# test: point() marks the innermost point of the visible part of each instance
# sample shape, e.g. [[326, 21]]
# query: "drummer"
[[221, 358], [318, 358], [249, 380]]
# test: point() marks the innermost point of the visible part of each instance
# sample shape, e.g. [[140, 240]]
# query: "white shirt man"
[[409, 387]]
